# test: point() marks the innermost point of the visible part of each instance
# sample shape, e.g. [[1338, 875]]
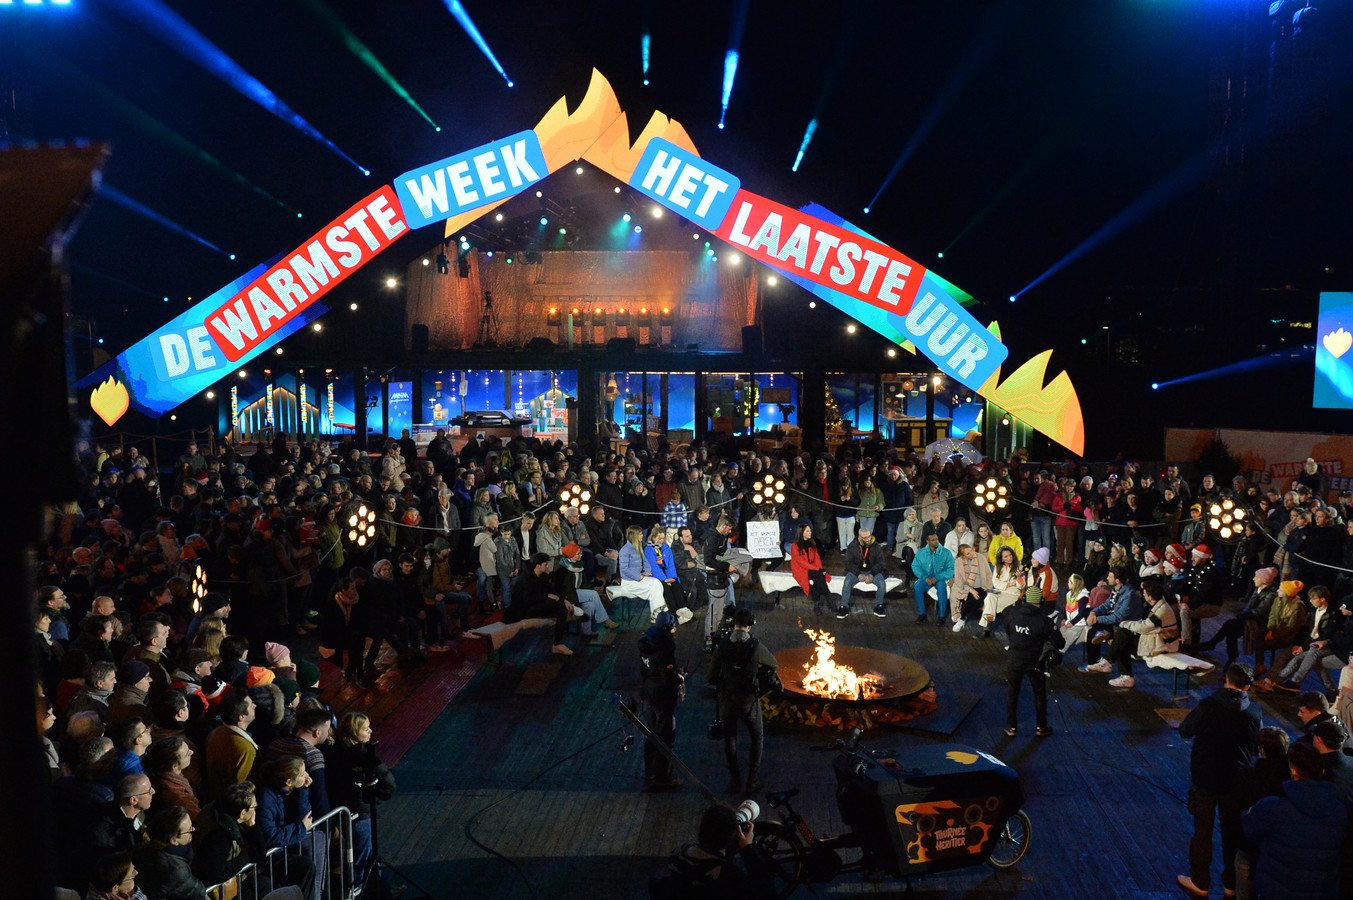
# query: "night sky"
[[1207, 135]]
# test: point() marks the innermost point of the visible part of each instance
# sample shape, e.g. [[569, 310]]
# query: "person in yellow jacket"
[[1007, 538]]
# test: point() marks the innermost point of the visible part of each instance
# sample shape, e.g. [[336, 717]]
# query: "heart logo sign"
[[1338, 342]]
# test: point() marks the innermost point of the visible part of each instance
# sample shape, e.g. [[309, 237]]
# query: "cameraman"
[[723, 863], [357, 780], [663, 690], [735, 671]]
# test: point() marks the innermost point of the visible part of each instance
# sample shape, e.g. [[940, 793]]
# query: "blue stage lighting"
[[644, 41], [1013, 298], [232, 257], [730, 71], [463, 18], [141, 209], [866, 210], [544, 220], [940, 254], [807, 136], [1154, 385], [625, 217], [638, 229], [175, 32]]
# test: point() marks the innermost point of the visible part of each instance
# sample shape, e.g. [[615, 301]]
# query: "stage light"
[[426, 261], [100, 340], [1155, 386], [1012, 298], [866, 210], [232, 257], [352, 306], [696, 236], [173, 418], [242, 373], [772, 281], [576, 311], [730, 70], [937, 381], [390, 282], [768, 492], [1005, 420], [812, 304], [563, 231], [489, 254], [850, 329], [279, 351], [498, 217], [735, 259], [577, 496], [458, 12], [141, 209], [464, 245], [539, 194], [892, 351], [318, 326], [617, 188], [803, 147], [544, 220], [361, 525], [991, 495], [644, 41], [625, 217], [638, 229], [597, 310], [166, 299], [941, 254], [643, 310], [363, 53], [1084, 341], [714, 259], [509, 260], [579, 170], [211, 395], [175, 32], [657, 212]]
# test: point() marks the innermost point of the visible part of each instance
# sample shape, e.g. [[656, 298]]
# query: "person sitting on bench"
[[1157, 632], [533, 598]]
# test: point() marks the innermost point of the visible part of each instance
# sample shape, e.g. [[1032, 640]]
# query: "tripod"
[[374, 886]]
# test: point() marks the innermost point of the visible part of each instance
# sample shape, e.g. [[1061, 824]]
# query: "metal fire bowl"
[[898, 676]]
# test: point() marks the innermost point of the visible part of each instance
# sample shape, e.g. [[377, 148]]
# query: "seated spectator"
[[165, 762], [636, 577], [231, 749], [662, 563], [1308, 651], [1157, 632], [227, 840], [114, 878], [532, 598], [1252, 619], [312, 730], [1285, 618], [969, 588], [130, 739], [805, 562], [164, 857], [119, 824], [1297, 839], [1005, 587], [568, 579]]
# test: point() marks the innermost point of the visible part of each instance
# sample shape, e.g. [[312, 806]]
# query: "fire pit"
[[845, 687]]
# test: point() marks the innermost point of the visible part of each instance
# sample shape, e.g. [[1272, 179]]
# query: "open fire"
[[824, 677]]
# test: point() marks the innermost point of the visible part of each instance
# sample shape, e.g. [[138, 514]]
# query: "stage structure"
[[882, 288]]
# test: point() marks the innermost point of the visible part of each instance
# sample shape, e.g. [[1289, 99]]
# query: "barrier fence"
[[328, 844]]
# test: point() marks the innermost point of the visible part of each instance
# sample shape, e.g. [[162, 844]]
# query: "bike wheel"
[[1012, 842], [781, 846]]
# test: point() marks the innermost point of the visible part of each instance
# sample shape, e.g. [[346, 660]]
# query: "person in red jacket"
[[805, 562]]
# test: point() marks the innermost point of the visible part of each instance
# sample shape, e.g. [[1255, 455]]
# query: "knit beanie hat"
[[1040, 556], [259, 676], [132, 671], [1291, 588], [1266, 576], [570, 550], [277, 654]]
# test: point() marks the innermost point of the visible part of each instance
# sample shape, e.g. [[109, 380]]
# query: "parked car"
[[489, 418]]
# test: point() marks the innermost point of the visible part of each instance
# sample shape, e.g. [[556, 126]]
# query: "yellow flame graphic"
[[110, 400]]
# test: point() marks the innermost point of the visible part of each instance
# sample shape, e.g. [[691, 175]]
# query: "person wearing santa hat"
[[1151, 564], [1252, 619], [1201, 596]]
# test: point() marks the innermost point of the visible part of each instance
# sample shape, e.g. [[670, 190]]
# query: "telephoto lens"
[[748, 811]]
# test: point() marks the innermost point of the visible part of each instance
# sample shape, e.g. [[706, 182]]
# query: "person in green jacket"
[[871, 504]]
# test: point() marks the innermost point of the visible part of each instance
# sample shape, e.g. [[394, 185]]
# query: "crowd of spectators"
[[160, 704]]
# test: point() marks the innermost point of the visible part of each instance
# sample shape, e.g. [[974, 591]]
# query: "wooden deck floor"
[[513, 797]]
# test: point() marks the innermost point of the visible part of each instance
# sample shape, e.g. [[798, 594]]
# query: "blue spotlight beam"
[[175, 32], [1286, 357], [996, 26], [460, 15], [803, 147], [1164, 191], [730, 59], [141, 209]]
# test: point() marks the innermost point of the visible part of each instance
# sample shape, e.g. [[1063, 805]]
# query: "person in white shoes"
[[970, 585], [1143, 638]]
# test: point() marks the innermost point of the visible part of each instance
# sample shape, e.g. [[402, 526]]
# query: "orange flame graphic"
[[110, 400]]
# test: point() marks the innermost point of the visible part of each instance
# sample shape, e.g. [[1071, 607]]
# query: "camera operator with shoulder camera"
[[723, 864], [737, 670], [664, 689]]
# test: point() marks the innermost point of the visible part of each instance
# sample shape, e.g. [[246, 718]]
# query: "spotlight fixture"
[[361, 523], [768, 493], [390, 282], [991, 495], [850, 329], [197, 587], [772, 281], [575, 495], [1226, 518]]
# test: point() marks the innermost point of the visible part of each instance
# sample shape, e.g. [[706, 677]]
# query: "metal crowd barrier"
[[328, 844]]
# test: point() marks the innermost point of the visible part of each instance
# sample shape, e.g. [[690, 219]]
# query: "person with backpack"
[[663, 690], [736, 670]]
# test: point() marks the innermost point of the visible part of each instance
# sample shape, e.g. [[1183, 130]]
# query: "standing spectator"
[[1298, 837], [360, 780], [734, 671], [231, 749], [312, 730], [1067, 506], [486, 543], [1224, 728], [1032, 635], [164, 858], [1045, 492], [1007, 538], [897, 498]]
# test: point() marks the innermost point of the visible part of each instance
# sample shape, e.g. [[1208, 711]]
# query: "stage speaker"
[[751, 340], [539, 345], [420, 338], [621, 345]]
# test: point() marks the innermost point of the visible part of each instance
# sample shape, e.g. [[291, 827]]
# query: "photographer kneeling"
[[723, 863]]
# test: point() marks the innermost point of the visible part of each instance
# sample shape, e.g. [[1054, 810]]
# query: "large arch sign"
[[882, 288]]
